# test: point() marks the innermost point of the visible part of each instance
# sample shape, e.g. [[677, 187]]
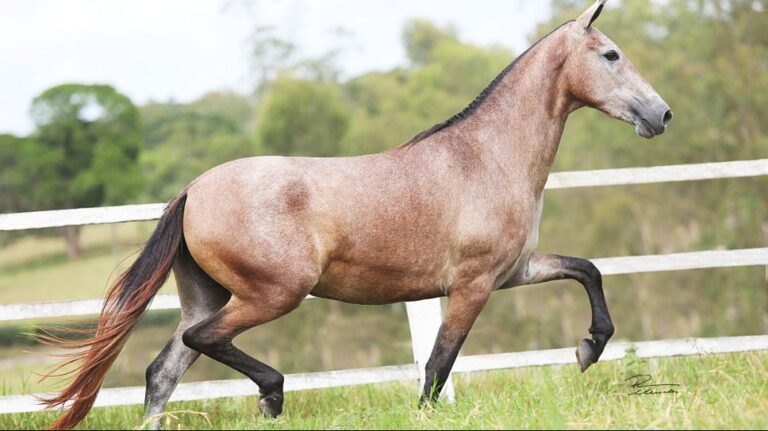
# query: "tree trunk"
[[71, 236]]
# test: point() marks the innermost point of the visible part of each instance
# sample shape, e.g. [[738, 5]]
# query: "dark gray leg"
[[200, 297], [163, 376], [464, 305], [213, 337], [547, 267]]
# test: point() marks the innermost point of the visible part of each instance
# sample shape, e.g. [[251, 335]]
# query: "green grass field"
[[716, 391]]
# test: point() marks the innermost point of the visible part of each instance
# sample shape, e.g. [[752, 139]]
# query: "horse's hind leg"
[[200, 297], [547, 267], [214, 335]]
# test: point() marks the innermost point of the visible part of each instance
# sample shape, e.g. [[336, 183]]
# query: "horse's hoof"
[[585, 354], [271, 405]]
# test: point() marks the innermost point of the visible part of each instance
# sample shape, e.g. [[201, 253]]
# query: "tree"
[[231, 106], [381, 116], [444, 76], [84, 151], [422, 37], [183, 141], [11, 177], [274, 54], [300, 117]]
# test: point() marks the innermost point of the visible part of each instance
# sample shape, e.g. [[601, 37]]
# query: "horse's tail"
[[124, 305]]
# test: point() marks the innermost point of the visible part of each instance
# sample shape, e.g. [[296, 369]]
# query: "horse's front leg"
[[464, 304], [547, 267]]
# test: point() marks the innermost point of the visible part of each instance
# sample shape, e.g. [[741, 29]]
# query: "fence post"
[[424, 319]]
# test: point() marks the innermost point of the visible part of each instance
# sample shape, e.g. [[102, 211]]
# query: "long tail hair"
[[125, 303]]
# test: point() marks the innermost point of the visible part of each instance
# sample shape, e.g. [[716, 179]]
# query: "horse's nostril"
[[667, 117]]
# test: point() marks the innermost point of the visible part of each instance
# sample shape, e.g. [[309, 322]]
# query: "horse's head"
[[602, 77]]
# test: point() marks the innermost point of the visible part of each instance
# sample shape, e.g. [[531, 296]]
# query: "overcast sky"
[[180, 49]]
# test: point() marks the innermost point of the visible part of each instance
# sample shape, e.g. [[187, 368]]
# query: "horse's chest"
[[517, 253], [502, 238], [520, 263]]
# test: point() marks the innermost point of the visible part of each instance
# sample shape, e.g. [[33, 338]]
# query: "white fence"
[[424, 316]]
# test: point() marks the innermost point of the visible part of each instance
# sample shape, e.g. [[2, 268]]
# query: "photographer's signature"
[[641, 385]]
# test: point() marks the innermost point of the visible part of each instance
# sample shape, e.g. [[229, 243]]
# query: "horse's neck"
[[522, 120]]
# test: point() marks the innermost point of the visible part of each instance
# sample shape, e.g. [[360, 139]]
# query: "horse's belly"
[[368, 284]]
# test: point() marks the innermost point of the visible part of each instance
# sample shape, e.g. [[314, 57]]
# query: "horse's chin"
[[645, 130]]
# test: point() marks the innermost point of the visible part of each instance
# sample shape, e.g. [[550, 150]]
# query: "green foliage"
[[422, 37], [11, 178], [301, 117], [381, 118], [84, 152], [446, 74], [183, 141], [234, 107]]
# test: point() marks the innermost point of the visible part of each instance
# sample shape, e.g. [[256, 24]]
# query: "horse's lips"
[[644, 129]]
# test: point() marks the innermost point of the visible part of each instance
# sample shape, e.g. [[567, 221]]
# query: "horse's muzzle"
[[652, 121]]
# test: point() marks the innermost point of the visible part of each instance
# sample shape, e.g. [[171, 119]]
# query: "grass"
[[36, 268], [716, 391]]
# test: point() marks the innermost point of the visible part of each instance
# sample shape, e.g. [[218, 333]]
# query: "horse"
[[454, 212]]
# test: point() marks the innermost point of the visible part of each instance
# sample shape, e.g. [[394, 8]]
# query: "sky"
[[179, 49]]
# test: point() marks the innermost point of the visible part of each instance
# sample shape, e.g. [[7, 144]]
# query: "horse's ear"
[[585, 20]]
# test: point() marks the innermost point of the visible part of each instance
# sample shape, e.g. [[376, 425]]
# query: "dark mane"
[[472, 107]]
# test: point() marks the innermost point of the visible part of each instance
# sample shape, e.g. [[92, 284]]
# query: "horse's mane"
[[472, 107]]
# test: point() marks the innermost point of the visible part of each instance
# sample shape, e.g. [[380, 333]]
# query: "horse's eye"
[[611, 55]]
